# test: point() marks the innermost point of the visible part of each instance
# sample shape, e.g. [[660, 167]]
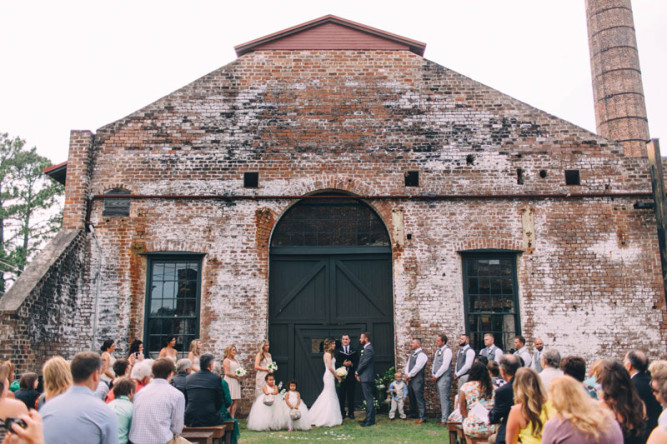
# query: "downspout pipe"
[[93, 344]]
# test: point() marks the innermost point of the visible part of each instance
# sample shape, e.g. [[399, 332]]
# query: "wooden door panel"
[[312, 297], [299, 289]]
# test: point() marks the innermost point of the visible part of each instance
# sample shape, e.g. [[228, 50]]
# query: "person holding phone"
[[9, 408]]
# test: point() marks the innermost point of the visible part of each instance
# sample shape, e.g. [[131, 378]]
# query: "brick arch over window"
[[330, 222], [489, 244]]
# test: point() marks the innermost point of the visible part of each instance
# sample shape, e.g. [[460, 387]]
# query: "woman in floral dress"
[[478, 390]]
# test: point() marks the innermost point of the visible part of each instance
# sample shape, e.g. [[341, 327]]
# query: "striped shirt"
[[159, 410]]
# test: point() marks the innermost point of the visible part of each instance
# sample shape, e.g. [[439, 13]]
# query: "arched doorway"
[[330, 274]]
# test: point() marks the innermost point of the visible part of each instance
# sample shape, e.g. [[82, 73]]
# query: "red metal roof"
[[57, 172], [331, 32]]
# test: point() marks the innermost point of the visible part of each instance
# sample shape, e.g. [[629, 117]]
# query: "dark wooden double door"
[[318, 293]]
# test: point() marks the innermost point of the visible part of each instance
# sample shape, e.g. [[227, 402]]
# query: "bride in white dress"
[[325, 412]]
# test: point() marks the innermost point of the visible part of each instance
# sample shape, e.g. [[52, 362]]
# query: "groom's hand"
[[358, 379], [347, 363]]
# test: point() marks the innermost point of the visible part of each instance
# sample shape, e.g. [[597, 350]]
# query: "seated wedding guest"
[[141, 373], [478, 391], [267, 412], [136, 350], [32, 433], [300, 420], [121, 368], [123, 390], [28, 390], [504, 401], [194, 353], [204, 395], [226, 403], [659, 389], [575, 367], [529, 413], [621, 397], [656, 366], [183, 369], [550, 365], [77, 416], [494, 371], [107, 348], [577, 418], [636, 363], [14, 385], [57, 379], [159, 408], [103, 387], [9, 407]]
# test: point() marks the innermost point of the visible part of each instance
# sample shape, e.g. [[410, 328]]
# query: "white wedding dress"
[[325, 411]]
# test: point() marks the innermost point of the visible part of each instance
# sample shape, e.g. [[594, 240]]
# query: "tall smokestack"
[[620, 110]]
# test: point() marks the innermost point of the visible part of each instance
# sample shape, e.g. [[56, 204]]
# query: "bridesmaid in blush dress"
[[230, 364]]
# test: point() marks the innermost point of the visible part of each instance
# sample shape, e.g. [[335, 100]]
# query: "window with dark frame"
[[250, 180], [116, 207], [172, 302], [572, 177], [412, 178], [491, 298]]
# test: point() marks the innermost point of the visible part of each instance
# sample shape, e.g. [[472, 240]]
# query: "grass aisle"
[[396, 431]]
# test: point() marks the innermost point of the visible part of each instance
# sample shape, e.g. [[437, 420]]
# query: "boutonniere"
[[439, 352], [362, 352]]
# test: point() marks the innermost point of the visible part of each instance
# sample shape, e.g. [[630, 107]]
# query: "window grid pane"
[[172, 304], [491, 299]]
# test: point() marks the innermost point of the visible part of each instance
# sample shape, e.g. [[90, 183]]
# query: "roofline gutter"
[[532, 196]]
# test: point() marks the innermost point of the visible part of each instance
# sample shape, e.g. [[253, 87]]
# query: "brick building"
[[448, 207]]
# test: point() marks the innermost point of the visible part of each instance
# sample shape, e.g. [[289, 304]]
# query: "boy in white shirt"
[[399, 392]]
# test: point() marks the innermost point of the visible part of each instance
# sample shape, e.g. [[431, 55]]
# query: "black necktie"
[[347, 351]]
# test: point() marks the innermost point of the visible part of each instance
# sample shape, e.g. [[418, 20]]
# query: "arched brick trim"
[[115, 186], [489, 244]]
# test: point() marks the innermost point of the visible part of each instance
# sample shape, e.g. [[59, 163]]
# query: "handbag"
[[268, 400], [295, 414]]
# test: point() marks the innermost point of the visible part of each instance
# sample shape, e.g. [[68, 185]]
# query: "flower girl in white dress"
[[297, 412], [268, 411]]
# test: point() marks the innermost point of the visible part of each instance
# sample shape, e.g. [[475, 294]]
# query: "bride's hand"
[[339, 379]]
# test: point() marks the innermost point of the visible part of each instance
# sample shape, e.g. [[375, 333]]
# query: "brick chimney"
[[620, 110]]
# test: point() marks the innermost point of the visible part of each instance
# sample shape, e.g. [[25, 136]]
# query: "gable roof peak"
[[331, 32]]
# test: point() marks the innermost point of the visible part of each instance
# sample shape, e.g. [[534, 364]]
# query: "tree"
[[30, 206]]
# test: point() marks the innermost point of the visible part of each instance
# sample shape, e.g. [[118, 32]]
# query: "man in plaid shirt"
[[159, 408]]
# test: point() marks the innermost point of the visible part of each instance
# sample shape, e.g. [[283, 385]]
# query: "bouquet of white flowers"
[[341, 372], [273, 367], [240, 372]]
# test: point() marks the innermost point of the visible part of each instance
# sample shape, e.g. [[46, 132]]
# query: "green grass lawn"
[[396, 431]]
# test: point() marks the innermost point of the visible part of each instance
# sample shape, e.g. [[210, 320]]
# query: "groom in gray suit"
[[365, 374]]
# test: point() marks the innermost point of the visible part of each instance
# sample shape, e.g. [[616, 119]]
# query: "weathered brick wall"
[[53, 313], [357, 121]]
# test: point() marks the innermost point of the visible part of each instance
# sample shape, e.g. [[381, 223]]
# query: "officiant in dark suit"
[[347, 356]]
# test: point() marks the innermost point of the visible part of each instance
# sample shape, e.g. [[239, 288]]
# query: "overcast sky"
[[82, 64]]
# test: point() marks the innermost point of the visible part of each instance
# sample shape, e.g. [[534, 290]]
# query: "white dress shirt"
[[419, 365], [470, 358], [525, 355], [446, 361], [159, 412]]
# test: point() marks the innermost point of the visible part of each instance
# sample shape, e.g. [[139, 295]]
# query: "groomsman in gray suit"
[[442, 374], [365, 374], [414, 374]]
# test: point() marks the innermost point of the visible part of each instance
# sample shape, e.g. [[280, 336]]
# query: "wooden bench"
[[210, 435], [453, 428], [456, 435]]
